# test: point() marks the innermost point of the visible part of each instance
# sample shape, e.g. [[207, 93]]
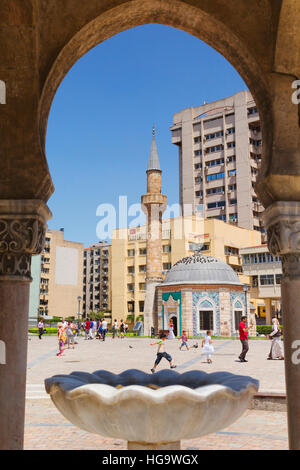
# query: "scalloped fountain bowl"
[[151, 411]]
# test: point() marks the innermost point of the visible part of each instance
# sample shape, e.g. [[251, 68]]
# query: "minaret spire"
[[154, 204], [153, 162]]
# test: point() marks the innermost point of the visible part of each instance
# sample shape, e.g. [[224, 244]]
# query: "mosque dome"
[[199, 269]]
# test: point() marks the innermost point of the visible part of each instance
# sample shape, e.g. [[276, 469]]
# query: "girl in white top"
[[276, 351], [171, 330], [207, 346]]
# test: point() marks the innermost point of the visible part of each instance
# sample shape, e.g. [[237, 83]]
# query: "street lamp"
[[246, 288], [78, 314]]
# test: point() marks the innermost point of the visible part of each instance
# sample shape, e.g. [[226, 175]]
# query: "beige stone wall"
[[65, 277], [225, 313], [187, 310]]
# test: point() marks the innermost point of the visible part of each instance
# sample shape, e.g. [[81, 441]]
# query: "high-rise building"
[[219, 147], [61, 275], [34, 296], [96, 278]]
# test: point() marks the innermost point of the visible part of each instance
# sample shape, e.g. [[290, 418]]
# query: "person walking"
[[207, 346], [243, 332], [115, 329], [161, 352], [104, 329], [122, 329], [41, 328], [276, 351], [70, 335]]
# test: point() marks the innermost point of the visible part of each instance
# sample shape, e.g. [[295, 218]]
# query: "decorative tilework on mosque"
[[210, 299]]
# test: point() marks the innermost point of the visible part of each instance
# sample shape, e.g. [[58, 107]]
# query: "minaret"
[[154, 204]]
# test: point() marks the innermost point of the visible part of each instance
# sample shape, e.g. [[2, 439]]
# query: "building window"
[[198, 166], [197, 140], [141, 286], [254, 281], [220, 189], [232, 173], [216, 176], [252, 111], [230, 131], [278, 279], [141, 306], [231, 145], [131, 252], [197, 153], [130, 269], [232, 201], [230, 250], [130, 287], [206, 320], [142, 268], [216, 148], [219, 161], [198, 180], [214, 205], [214, 135], [130, 306], [199, 193], [143, 251], [267, 280], [167, 266]]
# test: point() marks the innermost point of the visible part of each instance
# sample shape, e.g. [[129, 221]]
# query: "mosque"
[[199, 293]]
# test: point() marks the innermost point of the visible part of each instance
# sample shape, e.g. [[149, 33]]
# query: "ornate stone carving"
[[22, 235], [282, 221]]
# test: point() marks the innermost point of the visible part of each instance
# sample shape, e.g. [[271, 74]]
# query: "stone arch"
[[177, 14]]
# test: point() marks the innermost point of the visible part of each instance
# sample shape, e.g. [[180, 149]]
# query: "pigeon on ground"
[[196, 345]]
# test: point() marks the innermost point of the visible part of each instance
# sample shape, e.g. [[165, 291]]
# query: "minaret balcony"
[[154, 198]]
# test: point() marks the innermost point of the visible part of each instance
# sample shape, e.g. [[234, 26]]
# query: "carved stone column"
[[22, 234], [282, 221]]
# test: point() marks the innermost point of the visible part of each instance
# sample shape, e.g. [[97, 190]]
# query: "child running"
[[161, 352], [60, 335], [184, 341], [207, 346]]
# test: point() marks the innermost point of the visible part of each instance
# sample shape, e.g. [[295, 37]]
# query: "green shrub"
[[264, 329], [50, 331]]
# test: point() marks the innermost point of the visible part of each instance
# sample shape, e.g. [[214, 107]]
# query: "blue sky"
[[100, 124]]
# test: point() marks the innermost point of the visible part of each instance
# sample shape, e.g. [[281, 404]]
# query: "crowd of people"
[[67, 332]]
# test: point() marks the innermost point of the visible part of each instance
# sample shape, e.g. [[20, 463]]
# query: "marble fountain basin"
[[151, 411]]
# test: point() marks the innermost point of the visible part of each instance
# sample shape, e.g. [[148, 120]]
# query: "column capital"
[[22, 234], [282, 221]]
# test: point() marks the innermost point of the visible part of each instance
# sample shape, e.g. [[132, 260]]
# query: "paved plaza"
[[46, 428]]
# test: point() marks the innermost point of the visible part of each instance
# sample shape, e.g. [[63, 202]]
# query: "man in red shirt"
[[87, 328], [243, 330]]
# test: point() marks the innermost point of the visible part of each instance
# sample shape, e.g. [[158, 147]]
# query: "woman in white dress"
[[207, 346], [276, 351], [171, 330]]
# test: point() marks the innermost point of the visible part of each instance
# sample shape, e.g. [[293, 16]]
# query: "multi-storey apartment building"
[[265, 271], [96, 278], [219, 156], [181, 236], [61, 275]]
